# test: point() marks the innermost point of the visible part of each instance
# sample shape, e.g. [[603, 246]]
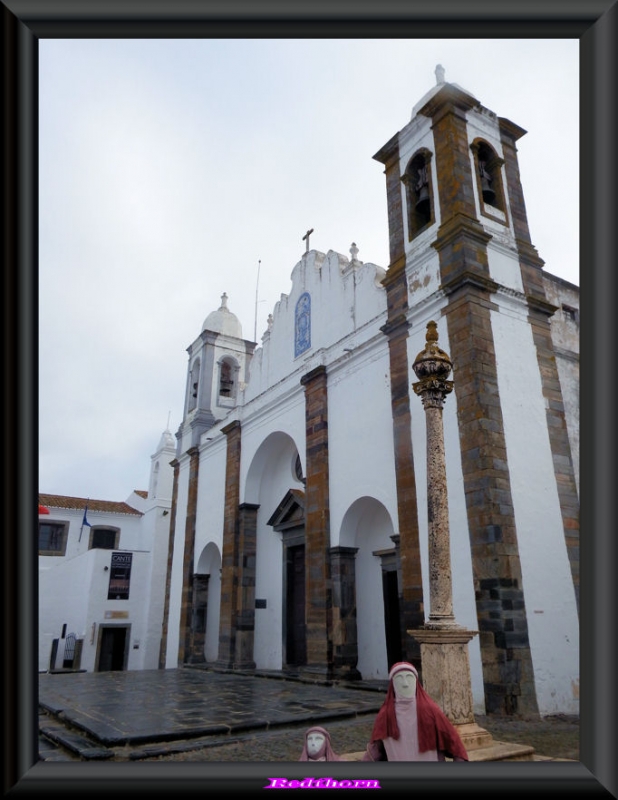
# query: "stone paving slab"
[[147, 706]]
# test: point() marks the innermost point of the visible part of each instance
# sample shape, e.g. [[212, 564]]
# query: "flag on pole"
[[84, 522]]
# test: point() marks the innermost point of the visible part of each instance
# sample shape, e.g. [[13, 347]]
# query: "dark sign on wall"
[[120, 576]]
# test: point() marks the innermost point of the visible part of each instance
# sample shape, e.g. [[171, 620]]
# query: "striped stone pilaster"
[[396, 329], [345, 638], [186, 604], [170, 560], [540, 312], [228, 619], [245, 601], [318, 589], [501, 611], [462, 248], [389, 156], [199, 614]]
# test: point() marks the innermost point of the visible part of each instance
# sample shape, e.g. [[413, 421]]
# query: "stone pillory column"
[[444, 644], [433, 366], [318, 590]]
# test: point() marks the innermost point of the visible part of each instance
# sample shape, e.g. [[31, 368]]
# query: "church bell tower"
[[460, 252], [217, 368]]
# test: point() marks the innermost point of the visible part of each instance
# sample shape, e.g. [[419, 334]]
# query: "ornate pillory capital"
[[432, 367]]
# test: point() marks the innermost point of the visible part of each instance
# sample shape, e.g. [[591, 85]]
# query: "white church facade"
[[298, 521]]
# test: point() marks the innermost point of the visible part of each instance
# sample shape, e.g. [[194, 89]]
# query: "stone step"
[[502, 751], [73, 741]]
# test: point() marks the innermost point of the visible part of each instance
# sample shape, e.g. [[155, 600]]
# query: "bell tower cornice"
[[510, 129], [448, 99]]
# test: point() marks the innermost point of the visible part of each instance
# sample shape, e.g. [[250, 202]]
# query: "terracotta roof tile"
[[79, 503]]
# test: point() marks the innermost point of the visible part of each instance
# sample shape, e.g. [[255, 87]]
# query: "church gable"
[[333, 298]]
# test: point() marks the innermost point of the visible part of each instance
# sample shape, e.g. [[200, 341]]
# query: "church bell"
[[489, 196], [422, 191], [423, 196]]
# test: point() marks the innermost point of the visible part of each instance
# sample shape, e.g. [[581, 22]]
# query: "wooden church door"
[[296, 644]]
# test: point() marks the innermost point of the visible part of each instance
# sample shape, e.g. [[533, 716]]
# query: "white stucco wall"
[[156, 528], [360, 443], [209, 520]]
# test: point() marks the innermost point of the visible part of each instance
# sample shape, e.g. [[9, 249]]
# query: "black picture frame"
[[595, 24]]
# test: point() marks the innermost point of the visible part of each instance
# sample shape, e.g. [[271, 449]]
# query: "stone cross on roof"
[[306, 238]]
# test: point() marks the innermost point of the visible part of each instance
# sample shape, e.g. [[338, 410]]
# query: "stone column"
[[230, 549], [184, 652], [444, 643], [433, 366], [345, 640], [245, 602]]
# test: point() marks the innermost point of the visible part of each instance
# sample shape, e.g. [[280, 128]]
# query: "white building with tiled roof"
[[102, 571]]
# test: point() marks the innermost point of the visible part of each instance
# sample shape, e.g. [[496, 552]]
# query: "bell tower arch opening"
[[419, 193]]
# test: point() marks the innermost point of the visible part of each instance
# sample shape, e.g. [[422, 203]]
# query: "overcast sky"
[[171, 171]]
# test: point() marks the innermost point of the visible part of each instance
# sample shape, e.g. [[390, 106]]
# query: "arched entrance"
[[204, 640], [367, 526], [274, 486]]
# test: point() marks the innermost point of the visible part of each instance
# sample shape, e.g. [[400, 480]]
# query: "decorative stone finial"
[[223, 301], [269, 322], [354, 251], [432, 332], [439, 74]]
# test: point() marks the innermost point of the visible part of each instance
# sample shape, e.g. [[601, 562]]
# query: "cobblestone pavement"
[[205, 715], [555, 738]]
